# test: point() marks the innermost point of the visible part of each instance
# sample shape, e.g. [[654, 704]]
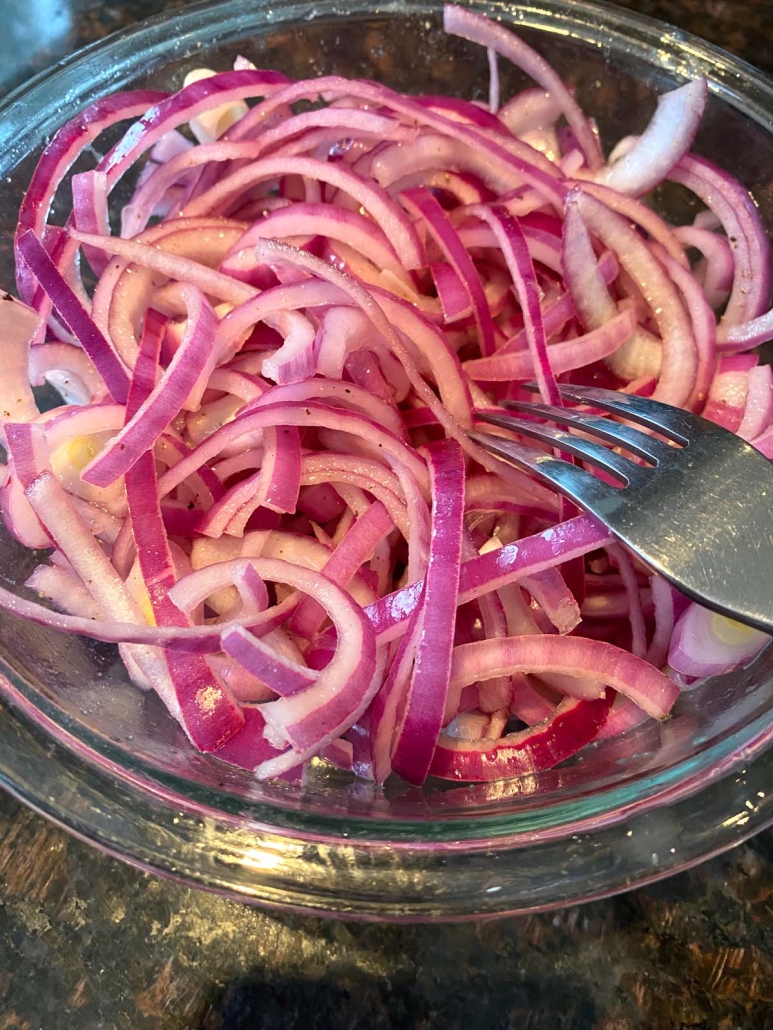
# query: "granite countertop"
[[87, 943]]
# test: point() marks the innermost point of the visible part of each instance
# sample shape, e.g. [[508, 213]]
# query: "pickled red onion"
[[259, 483]]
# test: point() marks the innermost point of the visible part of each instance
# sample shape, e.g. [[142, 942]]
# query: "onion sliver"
[[574, 724], [425, 701]]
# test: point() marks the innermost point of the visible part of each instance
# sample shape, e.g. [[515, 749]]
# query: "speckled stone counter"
[[89, 944]]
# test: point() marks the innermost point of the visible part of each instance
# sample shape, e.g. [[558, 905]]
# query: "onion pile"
[[259, 482]]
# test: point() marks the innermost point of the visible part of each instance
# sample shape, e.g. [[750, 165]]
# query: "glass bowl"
[[83, 747]]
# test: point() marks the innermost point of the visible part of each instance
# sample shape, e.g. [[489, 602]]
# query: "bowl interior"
[[618, 66]]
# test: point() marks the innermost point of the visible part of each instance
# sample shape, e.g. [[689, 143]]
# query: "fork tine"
[[615, 433], [570, 480], [675, 423], [594, 453]]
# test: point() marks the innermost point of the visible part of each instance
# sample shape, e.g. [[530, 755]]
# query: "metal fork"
[[699, 512]]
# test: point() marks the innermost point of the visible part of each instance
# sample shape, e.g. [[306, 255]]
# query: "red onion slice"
[[19, 325], [563, 357], [425, 702], [165, 400], [664, 142], [479, 29], [678, 372], [569, 656], [71, 312], [574, 724], [705, 644]]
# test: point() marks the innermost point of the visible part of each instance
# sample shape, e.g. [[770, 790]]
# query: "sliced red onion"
[[390, 700], [354, 550], [704, 326], [56, 511], [337, 223], [89, 212], [20, 520], [573, 725], [568, 656], [679, 366], [281, 675], [104, 526], [337, 394], [209, 713], [425, 701], [312, 718], [166, 399], [635, 612], [729, 389], [495, 569], [262, 487], [731, 204], [310, 413], [665, 617], [716, 275], [624, 715], [125, 290], [370, 476], [638, 212], [183, 269], [19, 325], [745, 335], [504, 155], [249, 748], [663, 143], [66, 590], [551, 593], [339, 123], [372, 307], [470, 725], [464, 111], [68, 369], [528, 704], [443, 232], [530, 110], [212, 575], [341, 333], [511, 239], [63, 424], [758, 411], [641, 354], [493, 91], [485, 493], [400, 165], [71, 312], [242, 685], [562, 357], [395, 225], [69, 141], [252, 590], [707, 644], [439, 356], [555, 316], [194, 99], [194, 640], [280, 475], [476, 27]]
